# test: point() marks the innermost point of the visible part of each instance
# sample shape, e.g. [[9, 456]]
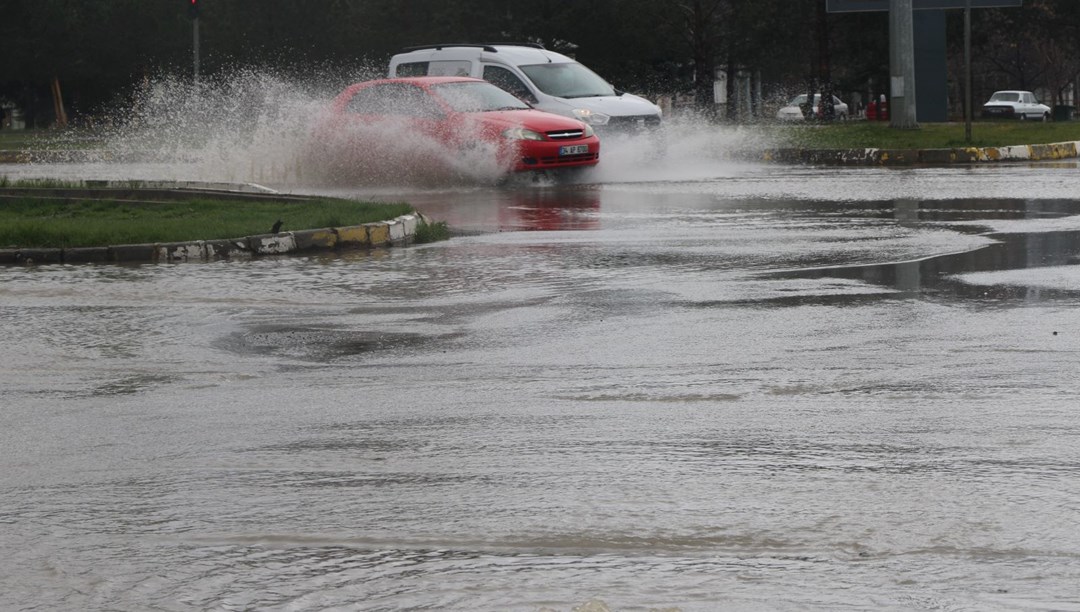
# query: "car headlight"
[[589, 132], [590, 117], [520, 133]]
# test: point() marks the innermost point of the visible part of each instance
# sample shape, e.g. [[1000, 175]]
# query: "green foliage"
[[431, 232], [56, 222]]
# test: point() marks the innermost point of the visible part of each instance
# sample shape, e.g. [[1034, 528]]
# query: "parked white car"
[[546, 80], [1013, 104], [792, 111]]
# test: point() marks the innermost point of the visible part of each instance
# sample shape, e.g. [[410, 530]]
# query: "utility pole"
[[967, 72], [902, 65], [193, 12]]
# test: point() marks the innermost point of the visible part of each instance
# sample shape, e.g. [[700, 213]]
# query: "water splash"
[[242, 126], [256, 126]]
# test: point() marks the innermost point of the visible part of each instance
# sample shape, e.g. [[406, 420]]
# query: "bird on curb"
[[276, 228]]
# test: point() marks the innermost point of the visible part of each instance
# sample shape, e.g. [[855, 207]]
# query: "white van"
[[547, 80]]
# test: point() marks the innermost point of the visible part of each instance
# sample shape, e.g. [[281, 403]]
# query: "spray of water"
[[255, 126]]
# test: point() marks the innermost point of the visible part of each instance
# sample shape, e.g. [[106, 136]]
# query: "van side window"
[[508, 81], [452, 68], [412, 69]]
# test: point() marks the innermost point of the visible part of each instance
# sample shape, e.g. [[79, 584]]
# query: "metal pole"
[[902, 65], [195, 46], [968, 110]]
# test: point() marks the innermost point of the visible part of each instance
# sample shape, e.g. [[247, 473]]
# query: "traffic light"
[[193, 8]]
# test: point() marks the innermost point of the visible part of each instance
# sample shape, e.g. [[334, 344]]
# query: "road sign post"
[[968, 110], [193, 12]]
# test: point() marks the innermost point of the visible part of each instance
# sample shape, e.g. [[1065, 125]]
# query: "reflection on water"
[[942, 275], [535, 210]]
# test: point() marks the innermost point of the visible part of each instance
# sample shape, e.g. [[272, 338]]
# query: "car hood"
[[533, 119], [626, 105]]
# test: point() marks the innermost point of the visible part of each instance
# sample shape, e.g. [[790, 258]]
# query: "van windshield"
[[567, 80], [476, 97]]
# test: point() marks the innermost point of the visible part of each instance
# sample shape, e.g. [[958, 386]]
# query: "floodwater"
[[741, 387]]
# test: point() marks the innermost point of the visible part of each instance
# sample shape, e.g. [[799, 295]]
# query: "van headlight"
[[591, 117], [520, 133]]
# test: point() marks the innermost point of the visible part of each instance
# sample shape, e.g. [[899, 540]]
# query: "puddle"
[[1026, 241]]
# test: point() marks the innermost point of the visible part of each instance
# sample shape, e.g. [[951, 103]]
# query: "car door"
[[1024, 106]]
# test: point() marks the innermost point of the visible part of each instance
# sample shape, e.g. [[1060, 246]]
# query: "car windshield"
[[568, 80], [476, 97], [1005, 96]]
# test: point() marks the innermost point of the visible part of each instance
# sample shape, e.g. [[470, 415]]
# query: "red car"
[[397, 125]]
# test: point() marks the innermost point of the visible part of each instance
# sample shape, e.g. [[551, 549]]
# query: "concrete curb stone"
[[133, 253], [225, 249], [271, 244], [353, 236], [40, 256], [179, 252], [306, 240], [378, 233], [86, 255]]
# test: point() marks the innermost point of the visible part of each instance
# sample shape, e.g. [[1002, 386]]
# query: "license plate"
[[573, 149]]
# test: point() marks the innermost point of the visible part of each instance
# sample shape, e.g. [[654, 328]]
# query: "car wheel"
[[1046, 117]]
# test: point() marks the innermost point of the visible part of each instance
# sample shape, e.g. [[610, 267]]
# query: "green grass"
[[62, 223], [878, 134], [431, 232]]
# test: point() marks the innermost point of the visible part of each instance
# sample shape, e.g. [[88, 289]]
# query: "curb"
[[908, 157], [395, 232]]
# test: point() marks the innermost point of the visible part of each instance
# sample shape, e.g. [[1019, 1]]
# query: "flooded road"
[[752, 388]]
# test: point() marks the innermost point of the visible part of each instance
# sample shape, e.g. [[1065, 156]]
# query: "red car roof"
[[423, 80]]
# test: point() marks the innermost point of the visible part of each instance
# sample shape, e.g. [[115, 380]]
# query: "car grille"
[[633, 122], [565, 134]]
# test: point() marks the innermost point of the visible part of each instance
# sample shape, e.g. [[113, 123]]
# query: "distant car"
[[398, 124], [1014, 104], [792, 111]]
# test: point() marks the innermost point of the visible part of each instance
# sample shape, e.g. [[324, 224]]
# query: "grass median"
[[46, 222]]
